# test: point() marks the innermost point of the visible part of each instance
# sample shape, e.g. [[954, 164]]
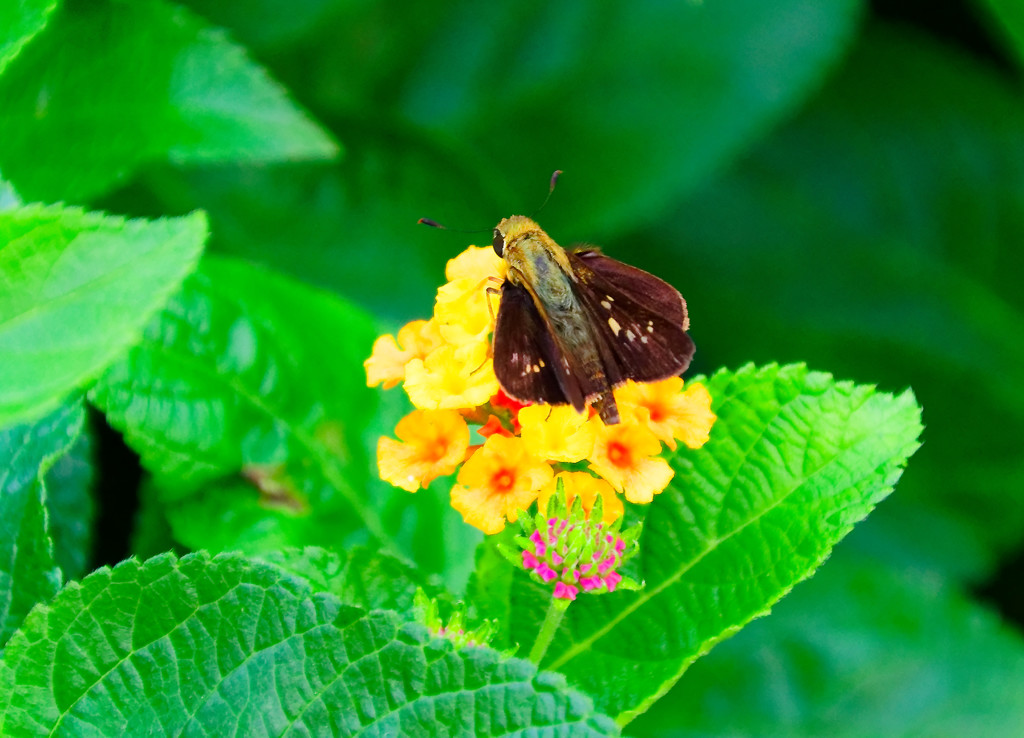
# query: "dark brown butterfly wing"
[[641, 319], [527, 361]]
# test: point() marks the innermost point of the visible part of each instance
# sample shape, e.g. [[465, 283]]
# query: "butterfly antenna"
[[435, 224], [551, 188]]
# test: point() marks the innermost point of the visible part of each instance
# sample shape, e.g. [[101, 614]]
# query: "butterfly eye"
[[499, 242]]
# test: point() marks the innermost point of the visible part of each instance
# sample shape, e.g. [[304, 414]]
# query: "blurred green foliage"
[[822, 186]]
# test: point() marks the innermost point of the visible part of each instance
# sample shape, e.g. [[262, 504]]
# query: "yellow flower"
[[623, 455], [587, 487], [434, 444], [476, 263], [501, 478], [451, 377], [462, 311], [387, 362], [667, 411], [557, 433]]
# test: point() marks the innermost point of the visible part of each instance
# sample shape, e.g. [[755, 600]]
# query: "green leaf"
[[862, 650], [28, 573], [889, 218], [158, 83], [19, 23], [636, 101], [247, 400], [76, 289], [227, 646], [794, 461], [360, 577], [70, 505]]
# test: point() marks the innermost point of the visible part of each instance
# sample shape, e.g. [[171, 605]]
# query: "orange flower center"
[[618, 453], [502, 481], [435, 451], [657, 412]]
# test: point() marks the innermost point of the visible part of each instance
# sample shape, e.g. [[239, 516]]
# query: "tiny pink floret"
[[565, 591], [529, 560], [546, 572], [612, 581]]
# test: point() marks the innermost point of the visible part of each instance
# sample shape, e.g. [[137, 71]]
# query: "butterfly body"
[[573, 325]]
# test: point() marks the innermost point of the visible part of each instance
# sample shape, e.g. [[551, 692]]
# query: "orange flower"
[[623, 455], [557, 432], [669, 412], [451, 377], [500, 479], [387, 362], [587, 487], [434, 444]]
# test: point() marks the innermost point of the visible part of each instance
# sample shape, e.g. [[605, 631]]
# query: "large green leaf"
[[360, 577], [247, 401], [19, 23], [794, 460], [75, 290], [156, 83], [28, 572], [70, 506], [862, 650], [228, 646], [881, 231], [636, 101]]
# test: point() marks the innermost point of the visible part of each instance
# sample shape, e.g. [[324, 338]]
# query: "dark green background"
[[825, 181]]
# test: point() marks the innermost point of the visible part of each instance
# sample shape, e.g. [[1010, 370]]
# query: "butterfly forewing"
[[641, 318], [527, 362]]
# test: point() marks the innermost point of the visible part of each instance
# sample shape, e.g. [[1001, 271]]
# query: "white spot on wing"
[[630, 335], [614, 325], [606, 305]]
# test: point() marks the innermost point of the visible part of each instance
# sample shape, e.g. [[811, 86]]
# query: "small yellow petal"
[[451, 377], [389, 357], [463, 311], [433, 444], [386, 364], [477, 263], [646, 479], [558, 432]]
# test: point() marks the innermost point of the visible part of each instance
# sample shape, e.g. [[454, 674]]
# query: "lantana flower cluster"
[[572, 550], [507, 455]]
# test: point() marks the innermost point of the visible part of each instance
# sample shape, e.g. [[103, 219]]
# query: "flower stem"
[[556, 610]]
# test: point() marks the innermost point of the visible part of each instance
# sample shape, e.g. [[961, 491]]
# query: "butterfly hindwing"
[[527, 362], [641, 319]]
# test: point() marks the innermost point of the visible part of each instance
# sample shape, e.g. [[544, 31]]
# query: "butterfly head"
[[511, 230]]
